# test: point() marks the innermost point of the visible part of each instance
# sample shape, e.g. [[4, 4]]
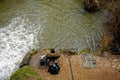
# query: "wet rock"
[[25, 60], [114, 50], [91, 5], [28, 56]]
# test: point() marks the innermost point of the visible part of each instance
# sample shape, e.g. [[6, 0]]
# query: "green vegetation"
[[25, 73], [47, 49], [86, 51], [32, 52]]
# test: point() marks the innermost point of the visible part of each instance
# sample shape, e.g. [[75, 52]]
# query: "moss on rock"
[[85, 50], [25, 73]]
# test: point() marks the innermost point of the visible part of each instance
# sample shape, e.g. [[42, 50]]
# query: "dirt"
[[103, 70]]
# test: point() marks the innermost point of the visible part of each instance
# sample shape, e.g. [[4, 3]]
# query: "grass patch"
[[25, 73]]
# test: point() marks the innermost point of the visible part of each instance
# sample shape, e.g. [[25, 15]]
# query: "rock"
[[88, 61], [106, 54], [115, 60], [91, 5], [116, 65], [26, 59], [87, 57], [89, 64], [68, 52]]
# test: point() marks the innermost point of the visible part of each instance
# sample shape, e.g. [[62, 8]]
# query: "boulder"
[[88, 61], [92, 5], [116, 65]]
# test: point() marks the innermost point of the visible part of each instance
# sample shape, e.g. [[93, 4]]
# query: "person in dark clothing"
[[54, 69], [52, 50]]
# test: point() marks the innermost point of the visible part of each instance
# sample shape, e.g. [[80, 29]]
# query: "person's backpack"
[[54, 69], [43, 61]]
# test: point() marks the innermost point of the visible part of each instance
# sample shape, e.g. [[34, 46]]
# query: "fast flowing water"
[[60, 24]]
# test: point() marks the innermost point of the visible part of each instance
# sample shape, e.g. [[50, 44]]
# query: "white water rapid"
[[16, 40]]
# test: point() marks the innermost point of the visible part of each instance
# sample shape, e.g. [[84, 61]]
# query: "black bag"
[[54, 69]]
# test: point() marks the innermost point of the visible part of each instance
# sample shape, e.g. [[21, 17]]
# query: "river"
[[59, 24]]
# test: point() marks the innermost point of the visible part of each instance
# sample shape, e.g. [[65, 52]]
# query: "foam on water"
[[16, 40]]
